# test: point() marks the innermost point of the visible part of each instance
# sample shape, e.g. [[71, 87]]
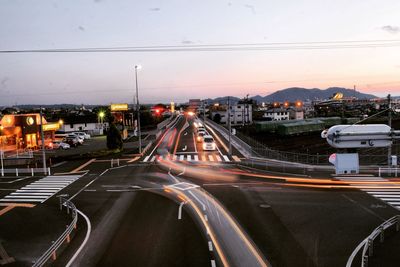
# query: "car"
[[209, 143], [81, 139], [201, 128], [60, 145], [72, 140], [84, 135], [200, 136]]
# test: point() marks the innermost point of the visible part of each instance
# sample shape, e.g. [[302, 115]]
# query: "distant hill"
[[296, 93], [223, 100]]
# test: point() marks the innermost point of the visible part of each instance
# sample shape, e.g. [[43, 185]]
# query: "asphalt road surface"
[[178, 205]]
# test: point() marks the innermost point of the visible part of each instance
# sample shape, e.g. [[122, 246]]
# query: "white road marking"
[[40, 190], [218, 157], [189, 158], [225, 158], [174, 157], [153, 159], [181, 157], [196, 158], [210, 157], [146, 158], [205, 217], [210, 246], [213, 264], [204, 206], [236, 158]]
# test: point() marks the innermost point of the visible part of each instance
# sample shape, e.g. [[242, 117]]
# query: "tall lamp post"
[[1, 151], [43, 145], [138, 67]]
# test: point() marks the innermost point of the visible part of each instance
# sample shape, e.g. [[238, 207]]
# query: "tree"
[[114, 138], [217, 118]]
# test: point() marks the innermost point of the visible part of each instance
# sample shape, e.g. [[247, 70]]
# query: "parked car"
[[73, 140], [209, 143], [84, 135], [60, 145], [81, 139]]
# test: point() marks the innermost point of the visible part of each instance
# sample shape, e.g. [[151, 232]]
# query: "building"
[[19, 131], [277, 114], [296, 113], [90, 124], [194, 104], [241, 114]]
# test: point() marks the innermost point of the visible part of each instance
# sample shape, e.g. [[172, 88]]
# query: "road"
[[178, 205]]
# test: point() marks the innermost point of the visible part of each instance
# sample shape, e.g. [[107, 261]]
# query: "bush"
[[114, 138]]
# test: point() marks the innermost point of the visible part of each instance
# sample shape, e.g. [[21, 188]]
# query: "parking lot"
[[96, 143]]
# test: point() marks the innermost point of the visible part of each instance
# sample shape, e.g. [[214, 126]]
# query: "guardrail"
[[18, 171], [368, 243], [389, 171], [65, 236]]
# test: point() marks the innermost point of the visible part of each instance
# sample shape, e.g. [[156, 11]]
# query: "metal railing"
[[368, 243], [389, 171], [65, 236], [31, 171]]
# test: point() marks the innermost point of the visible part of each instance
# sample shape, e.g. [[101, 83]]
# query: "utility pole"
[[43, 146], [138, 110], [204, 113], [390, 125], [229, 125]]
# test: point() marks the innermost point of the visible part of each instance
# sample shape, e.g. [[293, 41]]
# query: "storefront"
[[23, 131]]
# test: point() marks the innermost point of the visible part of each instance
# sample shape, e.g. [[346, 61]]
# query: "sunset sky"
[[102, 78]]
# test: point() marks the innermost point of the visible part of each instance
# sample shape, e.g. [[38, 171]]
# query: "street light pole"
[[43, 146], [138, 109], [204, 113], [390, 125], [229, 125], [1, 152]]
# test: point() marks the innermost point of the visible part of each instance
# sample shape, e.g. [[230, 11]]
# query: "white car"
[[83, 135], [209, 143], [60, 145], [79, 138]]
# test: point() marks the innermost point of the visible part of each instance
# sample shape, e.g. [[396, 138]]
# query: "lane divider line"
[[83, 166]]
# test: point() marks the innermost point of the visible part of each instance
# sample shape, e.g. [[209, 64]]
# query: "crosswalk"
[[194, 158], [40, 190], [387, 192]]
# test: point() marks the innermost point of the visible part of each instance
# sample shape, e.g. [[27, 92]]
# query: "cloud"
[[251, 7], [391, 29], [81, 28], [187, 42], [155, 9], [4, 81]]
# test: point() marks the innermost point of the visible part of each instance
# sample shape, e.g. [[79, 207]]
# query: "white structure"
[[92, 128], [240, 114], [277, 114], [296, 114]]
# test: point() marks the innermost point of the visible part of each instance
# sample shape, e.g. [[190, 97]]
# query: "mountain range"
[[298, 93]]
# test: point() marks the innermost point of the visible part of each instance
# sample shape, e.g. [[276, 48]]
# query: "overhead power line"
[[352, 44]]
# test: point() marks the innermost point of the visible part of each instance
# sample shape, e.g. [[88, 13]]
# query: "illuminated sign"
[[51, 127], [30, 121], [119, 107]]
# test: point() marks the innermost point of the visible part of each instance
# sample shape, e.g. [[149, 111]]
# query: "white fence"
[[31, 171], [389, 171]]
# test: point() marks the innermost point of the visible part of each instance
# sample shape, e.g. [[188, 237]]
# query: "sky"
[[104, 78]]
